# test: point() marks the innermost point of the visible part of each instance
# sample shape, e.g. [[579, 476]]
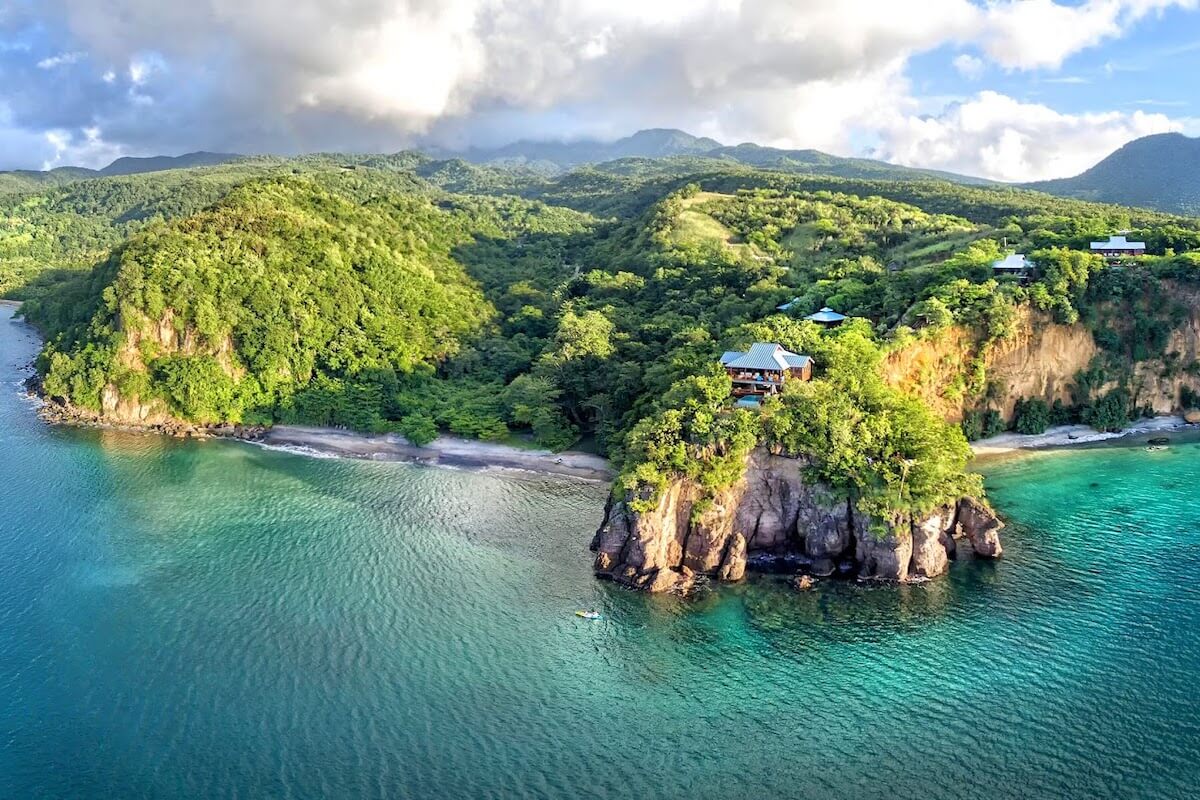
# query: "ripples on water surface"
[[215, 620]]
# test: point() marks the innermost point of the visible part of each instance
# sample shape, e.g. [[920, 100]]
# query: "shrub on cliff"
[[692, 433], [883, 448]]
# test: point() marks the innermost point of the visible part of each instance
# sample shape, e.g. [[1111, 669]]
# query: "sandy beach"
[[445, 450], [471, 454], [1072, 435]]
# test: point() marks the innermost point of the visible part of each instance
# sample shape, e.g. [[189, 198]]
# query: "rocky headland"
[[774, 518]]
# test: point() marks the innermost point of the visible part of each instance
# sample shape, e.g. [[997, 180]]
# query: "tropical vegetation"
[[407, 294]]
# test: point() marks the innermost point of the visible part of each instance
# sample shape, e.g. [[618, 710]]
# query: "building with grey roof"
[[763, 369]]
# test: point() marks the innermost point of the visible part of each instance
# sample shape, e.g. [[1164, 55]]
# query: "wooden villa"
[[762, 370], [1117, 248]]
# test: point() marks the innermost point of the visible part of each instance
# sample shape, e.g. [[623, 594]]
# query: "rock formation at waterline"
[[771, 514]]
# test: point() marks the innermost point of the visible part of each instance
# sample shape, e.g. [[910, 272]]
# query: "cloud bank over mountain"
[[85, 80]]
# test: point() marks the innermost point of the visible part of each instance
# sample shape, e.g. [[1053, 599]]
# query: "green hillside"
[[1160, 172], [282, 301], [409, 294]]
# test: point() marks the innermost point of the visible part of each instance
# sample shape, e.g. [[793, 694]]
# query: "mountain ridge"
[[30, 180], [546, 157], [1160, 171], [658, 143]]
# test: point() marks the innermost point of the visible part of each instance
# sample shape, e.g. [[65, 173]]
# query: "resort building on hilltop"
[[827, 317], [1118, 247], [762, 370], [1015, 265]]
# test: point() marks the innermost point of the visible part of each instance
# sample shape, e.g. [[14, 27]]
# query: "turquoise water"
[[217, 620]]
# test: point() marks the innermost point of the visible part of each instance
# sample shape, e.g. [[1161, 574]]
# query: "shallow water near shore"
[[210, 619]]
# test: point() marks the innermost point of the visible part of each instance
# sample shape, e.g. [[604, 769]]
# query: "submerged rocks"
[[773, 517]]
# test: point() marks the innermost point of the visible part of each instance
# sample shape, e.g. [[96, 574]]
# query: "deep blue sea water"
[[211, 619]]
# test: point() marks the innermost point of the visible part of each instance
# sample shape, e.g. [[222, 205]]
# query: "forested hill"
[[402, 293], [27, 180], [283, 301], [1160, 172]]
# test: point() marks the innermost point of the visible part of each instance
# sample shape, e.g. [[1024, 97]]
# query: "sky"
[[1011, 90]]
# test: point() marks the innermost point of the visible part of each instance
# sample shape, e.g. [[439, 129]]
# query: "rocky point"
[[774, 515]]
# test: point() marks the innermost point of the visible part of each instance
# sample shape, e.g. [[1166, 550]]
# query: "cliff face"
[[1040, 361], [144, 339], [770, 514]]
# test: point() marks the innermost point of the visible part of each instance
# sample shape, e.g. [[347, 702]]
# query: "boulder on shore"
[[884, 554]]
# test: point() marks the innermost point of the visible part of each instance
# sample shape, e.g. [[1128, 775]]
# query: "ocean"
[[213, 619]]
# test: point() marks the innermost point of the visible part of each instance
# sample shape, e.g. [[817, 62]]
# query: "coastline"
[[1079, 435], [449, 451]]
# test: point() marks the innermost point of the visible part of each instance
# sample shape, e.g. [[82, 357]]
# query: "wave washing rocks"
[[772, 518]]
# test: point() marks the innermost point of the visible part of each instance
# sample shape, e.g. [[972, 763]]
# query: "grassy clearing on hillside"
[[936, 248], [694, 226]]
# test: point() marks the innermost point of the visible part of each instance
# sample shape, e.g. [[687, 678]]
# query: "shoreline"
[[447, 451], [1072, 436]]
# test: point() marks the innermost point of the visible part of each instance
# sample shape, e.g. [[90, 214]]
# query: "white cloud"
[[87, 149], [995, 136], [290, 75], [143, 66], [1033, 34], [969, 66], [60, 60], [415, 62]]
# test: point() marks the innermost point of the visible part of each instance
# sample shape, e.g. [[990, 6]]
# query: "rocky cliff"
[[774, 516], [1040, 361], [143, 339]]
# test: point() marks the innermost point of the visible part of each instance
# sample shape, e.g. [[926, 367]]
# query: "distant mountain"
[[23, 180], [26, 180], [667, 148], [549, 156], [135, 166], [819, 163], [1160, 172], [660, 143]]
